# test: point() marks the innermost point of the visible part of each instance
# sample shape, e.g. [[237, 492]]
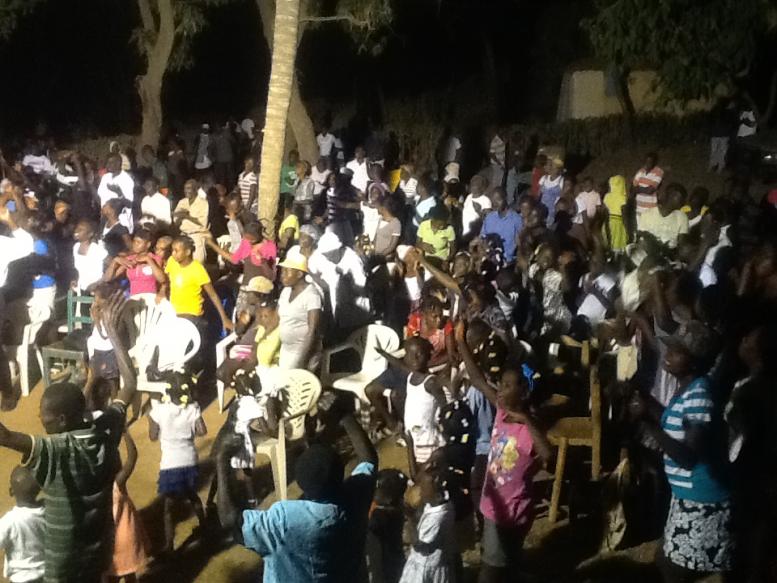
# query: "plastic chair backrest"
[[74, 315], [301, 390], [179, 342], [367, 339]]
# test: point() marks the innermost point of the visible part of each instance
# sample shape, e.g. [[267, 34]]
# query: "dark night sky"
[[71, 63]]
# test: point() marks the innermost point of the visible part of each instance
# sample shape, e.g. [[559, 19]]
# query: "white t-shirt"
[[707, 274], [360, 175], [294, 323], [452, 146], [745, 130], [22, 537], [409, 187], [592, 307], [176, 433], [90, 267], [587, 201], [666, 229], [331, 273], [371, 221], [325, 144], [19, 244], [469, 214], [39, 164], [127, 186], [320, 178], [157, 206]]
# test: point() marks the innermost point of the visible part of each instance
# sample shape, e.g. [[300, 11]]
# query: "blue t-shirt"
[[691, 407], [303, 541], [43, 280], [506, 227], [484, 413]]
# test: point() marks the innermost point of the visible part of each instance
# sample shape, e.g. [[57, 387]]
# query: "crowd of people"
[[493, 282]]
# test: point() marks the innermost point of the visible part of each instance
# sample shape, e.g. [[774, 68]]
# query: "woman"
[[430, 323], [299, 309], [304, 190], [698, 531], [116, 237], [88, 256], [614, 203], [389, 229], [308, 238], [142, 268]]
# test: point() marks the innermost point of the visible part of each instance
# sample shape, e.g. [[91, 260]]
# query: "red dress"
[[435, 337]]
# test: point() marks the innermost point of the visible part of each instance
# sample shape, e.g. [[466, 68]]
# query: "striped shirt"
[[693, 406], [647, 179], [245, 181], [76, 471]]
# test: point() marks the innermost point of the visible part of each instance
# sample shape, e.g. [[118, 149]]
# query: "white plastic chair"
[[364, 342], [222, 347], [300, 392]]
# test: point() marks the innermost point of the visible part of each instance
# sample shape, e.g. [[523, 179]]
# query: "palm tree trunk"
[[298, 118], [278, 97], [149, 86]]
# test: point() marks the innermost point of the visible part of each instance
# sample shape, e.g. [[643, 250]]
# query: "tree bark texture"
[[149, 86], [286, 24], [298, 117]]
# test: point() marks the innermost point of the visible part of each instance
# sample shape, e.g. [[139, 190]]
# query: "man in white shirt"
[[155, 205], [646, 182], [320, 175], [117, 183], [39, 163], [326, 142], [476, 205], [666, 222], [359, 167], [587, 201]]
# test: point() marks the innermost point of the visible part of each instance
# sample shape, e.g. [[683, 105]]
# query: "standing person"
[[155, 206], [248, 183], [204, 151], [289, 174], [23, 530], [646, 182], [320, 175], [321, 536], [666, 222], [117, 183], [518, 450], [115, 237], [224, 167], [326, 143], [424, 203], [587, 201], [142, 268], [88, 256], [722, 130], [476, 205], [496, 158], [75, 464], [188, 282], [299, 309], [177, 168], [698, 533], [359, 168], [615, 202], [389, 228], [304, 191], [191, 216], [503, 222], [175, 423], [550, 188]]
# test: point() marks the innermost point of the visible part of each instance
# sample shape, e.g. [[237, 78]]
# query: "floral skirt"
[[698, 536]]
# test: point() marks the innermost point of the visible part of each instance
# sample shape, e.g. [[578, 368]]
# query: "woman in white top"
[[88, 256], [299, 309]]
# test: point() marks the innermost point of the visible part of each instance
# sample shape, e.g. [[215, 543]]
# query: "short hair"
[[144, 234], [23, 483], [65, 399], [153, 179], [422, 343], [319, 472], [186, 241], [439, 212]]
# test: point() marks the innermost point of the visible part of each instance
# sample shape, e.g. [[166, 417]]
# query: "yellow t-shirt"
[[439, 240], [268, 346], [186, 286], [290, 222]]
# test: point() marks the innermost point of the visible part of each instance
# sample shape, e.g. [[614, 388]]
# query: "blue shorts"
[[393, 378], [178, 481]]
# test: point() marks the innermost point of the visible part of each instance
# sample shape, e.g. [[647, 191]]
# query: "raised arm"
[[129, 462], [476, 376], [112, 315], [440, 275]]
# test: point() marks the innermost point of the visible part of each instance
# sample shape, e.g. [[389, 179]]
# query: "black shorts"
[[105, 365], [393, 378]]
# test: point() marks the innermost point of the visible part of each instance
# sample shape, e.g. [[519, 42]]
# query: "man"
[[326, 143], [75, 464], [321, 536], [503, 222], [646, 182], [191, 216], [476, 204], [666, 222], [320, 175], [117, 183], [359, 167], [204, 151], [248, 183], [17, 245], [155, 206], [289, 173]]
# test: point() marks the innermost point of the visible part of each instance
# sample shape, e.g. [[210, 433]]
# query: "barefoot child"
[[385, 554], [22, 530], [176, 421], [130, 544]]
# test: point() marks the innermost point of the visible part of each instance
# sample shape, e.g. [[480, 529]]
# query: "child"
[[88, 256], [103, 374], [176, 421], [433, 556], [587, 202], [424, 397], [130, 545], [22, 530], [385, 555], [517, 445]]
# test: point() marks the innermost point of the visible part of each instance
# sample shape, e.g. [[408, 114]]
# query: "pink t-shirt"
[[507, 498], [141, 277], [264, 251]]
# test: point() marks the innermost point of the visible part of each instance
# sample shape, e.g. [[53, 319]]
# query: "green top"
[[76, 471], [288, 179]]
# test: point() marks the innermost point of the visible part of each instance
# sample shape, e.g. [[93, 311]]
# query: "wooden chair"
[[581, 432], [61, 350]]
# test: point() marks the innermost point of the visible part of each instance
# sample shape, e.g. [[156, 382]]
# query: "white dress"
[[294, 324], [421, 411], [436, 528]]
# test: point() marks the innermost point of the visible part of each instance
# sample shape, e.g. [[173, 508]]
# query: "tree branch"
[[338, 18], [146, 17]]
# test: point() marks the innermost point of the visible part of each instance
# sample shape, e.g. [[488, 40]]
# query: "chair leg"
[[46, 370], [280, 452], [220, 389], [561, 460], [23, 357], [276, 471]]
